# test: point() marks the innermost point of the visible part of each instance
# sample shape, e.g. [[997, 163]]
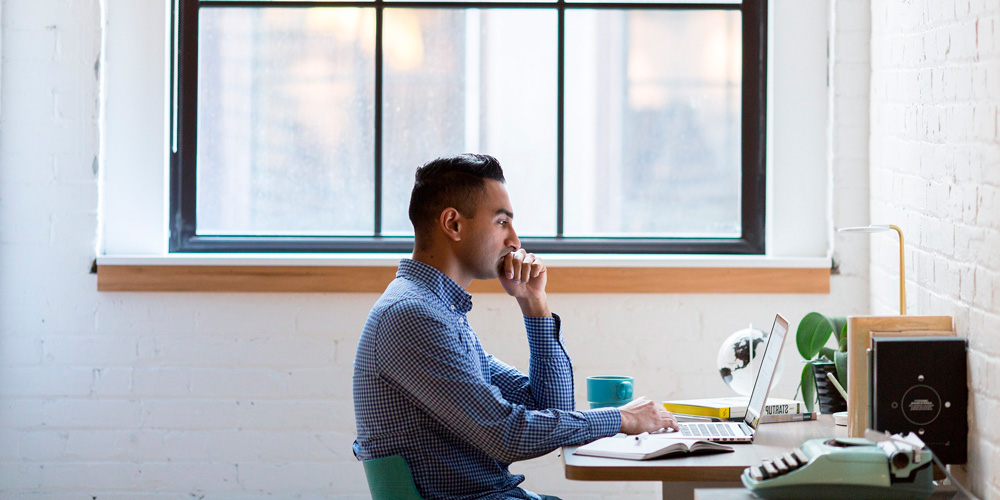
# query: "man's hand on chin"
[[523, 276]]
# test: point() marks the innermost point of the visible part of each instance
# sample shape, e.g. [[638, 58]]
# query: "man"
[[424, 387]]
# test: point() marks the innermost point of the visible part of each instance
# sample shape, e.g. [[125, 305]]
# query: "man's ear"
[[451, 223]]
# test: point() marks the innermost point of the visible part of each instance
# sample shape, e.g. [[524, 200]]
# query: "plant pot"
[[829, 398]]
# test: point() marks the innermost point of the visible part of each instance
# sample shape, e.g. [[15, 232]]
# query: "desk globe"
[[739, 359]]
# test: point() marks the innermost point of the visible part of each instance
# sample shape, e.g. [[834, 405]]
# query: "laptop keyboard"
[[695, 430]]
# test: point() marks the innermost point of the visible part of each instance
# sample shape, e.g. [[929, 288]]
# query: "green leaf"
[[826, 352], [838, 324], [813, 333], [808, 387], [840, 360]]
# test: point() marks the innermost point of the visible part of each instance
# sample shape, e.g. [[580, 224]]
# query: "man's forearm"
[[550, 370]]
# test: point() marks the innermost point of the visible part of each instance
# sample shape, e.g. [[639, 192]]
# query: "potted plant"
[[813, 333]]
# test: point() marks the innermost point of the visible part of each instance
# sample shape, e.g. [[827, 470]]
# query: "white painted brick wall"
[[247, 396], [935, 172], [848, 130]]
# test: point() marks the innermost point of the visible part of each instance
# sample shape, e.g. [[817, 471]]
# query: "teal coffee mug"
[[608, 390]]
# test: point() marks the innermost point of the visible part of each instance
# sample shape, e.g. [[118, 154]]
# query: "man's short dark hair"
[[452, 181]]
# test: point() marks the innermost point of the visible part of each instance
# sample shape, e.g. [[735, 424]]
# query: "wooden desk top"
[[772, 440], [940, 493]]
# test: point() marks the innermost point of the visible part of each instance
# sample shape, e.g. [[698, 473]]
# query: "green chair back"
[[389, 478]]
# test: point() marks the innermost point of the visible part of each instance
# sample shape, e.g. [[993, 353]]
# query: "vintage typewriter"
[[855, 468]]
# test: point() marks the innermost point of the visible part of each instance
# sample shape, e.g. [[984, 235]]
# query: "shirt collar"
[[438, 282]]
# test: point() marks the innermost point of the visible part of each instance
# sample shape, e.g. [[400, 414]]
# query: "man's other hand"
[[642, 415]]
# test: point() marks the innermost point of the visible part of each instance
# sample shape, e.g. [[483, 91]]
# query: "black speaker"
[[919, 385]]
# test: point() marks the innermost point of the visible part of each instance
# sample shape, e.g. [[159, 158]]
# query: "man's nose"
[[512, 240]]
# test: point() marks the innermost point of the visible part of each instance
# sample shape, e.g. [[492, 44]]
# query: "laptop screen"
[[766, 373]]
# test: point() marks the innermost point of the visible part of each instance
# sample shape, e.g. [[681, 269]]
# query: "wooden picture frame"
[[860, 330]]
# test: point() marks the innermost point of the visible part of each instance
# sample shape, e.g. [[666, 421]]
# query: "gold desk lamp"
[[878, 228]]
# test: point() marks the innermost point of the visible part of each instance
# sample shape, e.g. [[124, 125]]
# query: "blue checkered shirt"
[[424, 388]]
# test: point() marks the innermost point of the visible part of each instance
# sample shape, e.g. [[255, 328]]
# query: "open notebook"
[[644, 447]]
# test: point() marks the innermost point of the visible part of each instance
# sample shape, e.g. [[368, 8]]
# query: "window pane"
[[653, 123], [471, 80], [482, 1], [692, 2], [285, 114]]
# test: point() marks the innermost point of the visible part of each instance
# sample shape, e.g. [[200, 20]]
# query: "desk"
[[681, 475], [940, 493]]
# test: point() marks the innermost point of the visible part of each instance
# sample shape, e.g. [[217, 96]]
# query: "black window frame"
[[183, 117]]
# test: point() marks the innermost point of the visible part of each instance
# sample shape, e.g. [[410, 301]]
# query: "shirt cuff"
[[603, 422], [544, 335]]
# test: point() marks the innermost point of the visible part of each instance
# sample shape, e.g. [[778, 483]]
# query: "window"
[[622, 127]]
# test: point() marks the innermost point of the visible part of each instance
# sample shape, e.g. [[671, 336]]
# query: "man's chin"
[[497, 270], [492, 275]]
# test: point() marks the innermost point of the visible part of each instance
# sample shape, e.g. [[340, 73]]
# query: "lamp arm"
[[902, 272]]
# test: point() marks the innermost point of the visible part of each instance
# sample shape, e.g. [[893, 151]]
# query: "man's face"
[[489, 236]]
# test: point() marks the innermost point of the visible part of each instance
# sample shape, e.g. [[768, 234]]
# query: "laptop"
[[744, 431]]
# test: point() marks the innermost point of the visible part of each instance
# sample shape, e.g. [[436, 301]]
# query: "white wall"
[[935, 172], [161, 395]]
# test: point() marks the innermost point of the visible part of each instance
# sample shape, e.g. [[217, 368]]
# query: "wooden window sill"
[[118, 276]]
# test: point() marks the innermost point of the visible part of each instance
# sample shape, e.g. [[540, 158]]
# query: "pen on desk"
[[639, 438]]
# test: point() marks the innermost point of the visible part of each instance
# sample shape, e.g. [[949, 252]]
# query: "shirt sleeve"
[[430, 363], [550, 380]]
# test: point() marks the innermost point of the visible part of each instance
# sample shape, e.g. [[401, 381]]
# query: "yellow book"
[[732, 407]]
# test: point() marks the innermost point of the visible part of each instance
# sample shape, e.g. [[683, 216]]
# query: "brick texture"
[[935, 164]]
